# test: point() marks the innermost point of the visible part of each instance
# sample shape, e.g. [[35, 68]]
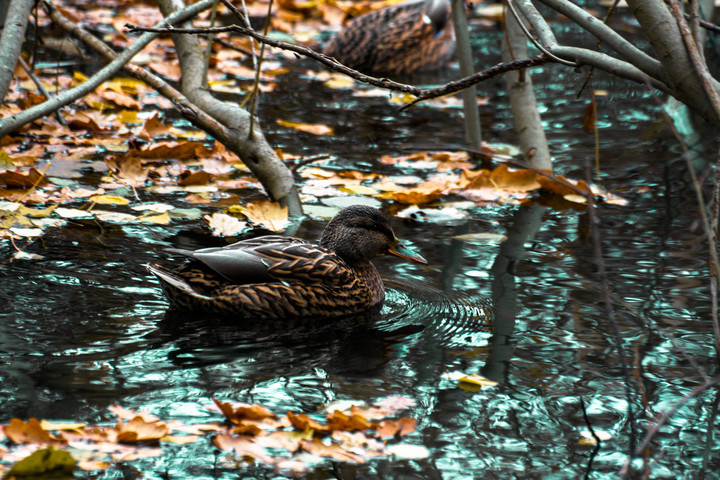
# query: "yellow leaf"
[[270, 214], [402, 98], [37, 213], [476, 379], [43, 462], [358, 189], [46, 425], [162, 219], [337, 81], [314, 128], [109, 200], [79, 77]]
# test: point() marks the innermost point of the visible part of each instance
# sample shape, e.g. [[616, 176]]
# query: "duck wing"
[[270, 259]]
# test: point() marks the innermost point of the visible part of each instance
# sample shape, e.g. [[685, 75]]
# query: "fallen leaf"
[[30, 432], [314, 128], [139, 430], [43, 462], [269, 214], [109, 200], [334, 450], [225, 225]]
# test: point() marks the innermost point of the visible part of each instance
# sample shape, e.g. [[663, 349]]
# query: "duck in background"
[[274, 277], [401, 39]]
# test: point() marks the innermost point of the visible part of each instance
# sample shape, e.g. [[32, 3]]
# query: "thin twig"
[[610, 310], [332, 64], [41, 88]]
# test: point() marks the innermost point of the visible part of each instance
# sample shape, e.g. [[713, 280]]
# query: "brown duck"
[[275, 277], [397, 40]]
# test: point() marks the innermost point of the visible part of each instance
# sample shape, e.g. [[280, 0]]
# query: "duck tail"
[[173, 284]]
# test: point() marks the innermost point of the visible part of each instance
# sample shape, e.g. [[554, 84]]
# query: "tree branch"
[[13, 123]]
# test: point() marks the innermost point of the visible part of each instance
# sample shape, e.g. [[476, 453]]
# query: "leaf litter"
[[251, 433]]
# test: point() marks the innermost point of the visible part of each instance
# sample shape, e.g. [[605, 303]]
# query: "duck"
[[274, 277], [401, 39]]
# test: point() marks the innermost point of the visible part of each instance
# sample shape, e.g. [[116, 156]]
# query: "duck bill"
[[402, 252]]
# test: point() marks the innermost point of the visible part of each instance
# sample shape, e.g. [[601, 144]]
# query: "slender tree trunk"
[[11, 41], [473, 132], [522, 99], [251, 146]]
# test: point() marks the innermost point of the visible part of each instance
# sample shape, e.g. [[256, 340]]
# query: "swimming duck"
[[274, 277], [397, 40]]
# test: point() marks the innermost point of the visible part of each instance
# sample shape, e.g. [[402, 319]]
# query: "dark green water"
[[85, 328]]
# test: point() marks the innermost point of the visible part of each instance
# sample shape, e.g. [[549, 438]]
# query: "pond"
[[85, 328]]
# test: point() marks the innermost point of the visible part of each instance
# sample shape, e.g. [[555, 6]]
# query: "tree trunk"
[[528, 124], [11, 41], [252, 147]]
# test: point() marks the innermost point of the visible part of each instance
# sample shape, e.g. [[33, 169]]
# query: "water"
[[85, 327]]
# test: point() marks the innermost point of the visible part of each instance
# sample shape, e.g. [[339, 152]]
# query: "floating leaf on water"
[[225, 225], [140, 430], [408, 452], [269, 214], [19, 255], [109, 200], [572, 197], [358, 190], [162, 219], [186, 213], [47, 222], [200, 188], [320, 211], [153, 207], [481, 237], [587, 438], [30, 432], [9, 206], [45, 461], [314, 128], [27, 232], [476, 379], [342, 202], [117, 217], [47, 425], [72, 213]]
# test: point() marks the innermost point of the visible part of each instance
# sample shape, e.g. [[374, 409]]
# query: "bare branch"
[[13, 123]]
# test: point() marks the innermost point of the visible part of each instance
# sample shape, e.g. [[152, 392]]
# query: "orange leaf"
[[198, 177], [317, 447], [154, 128], [30, 432], [341, 421], [138, 430], [402, 426], [560, 189], [314, 128], [20, 180], [242, 445], [303, 422], [515, 181], [243, 411], [270, 214]]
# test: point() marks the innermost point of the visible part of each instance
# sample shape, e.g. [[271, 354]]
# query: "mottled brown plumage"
[[279, 277], [397, 40]]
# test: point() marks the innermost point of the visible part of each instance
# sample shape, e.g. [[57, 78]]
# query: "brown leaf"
[[314, 128], [522, 180], [341, 421], [244, 411], [154, 128], [304, 422], [560, 189], [139, 430], [20, 180], [270, 214], [30, 432], [198, 177], [242, 445], [317, 447], [402, 426], [128, 167]]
